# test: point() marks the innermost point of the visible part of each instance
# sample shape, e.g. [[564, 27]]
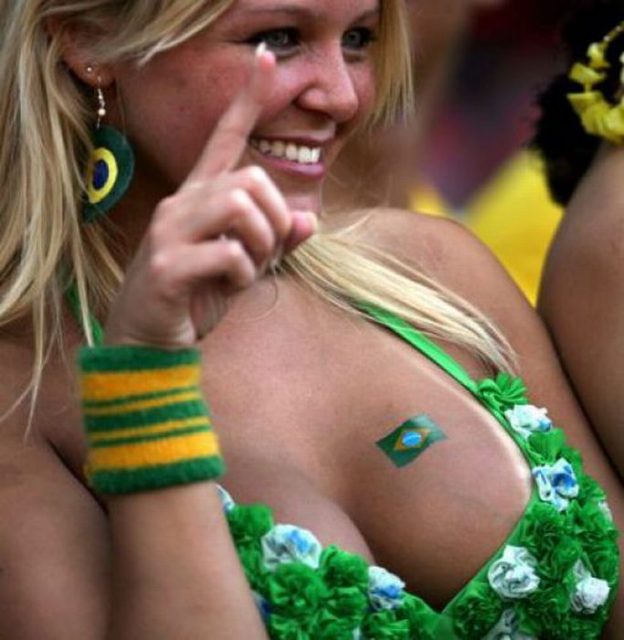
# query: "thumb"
[[304, 225]]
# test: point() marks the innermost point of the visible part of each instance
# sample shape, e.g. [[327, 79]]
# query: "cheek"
[[170, 111], [366, 88]]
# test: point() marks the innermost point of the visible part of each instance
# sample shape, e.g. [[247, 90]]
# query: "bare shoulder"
[[587, 255], [53, 543], [454, 257]]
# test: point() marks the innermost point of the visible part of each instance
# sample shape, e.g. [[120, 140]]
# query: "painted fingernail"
[[313, 219], [261, 49]]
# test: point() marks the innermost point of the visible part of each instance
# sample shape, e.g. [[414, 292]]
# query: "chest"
[[301, 418], [301, 399]]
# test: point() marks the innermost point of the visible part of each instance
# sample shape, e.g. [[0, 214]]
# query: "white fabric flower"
[[526, 419], [385, 590], [556, 483], [286, 543], [507, 628], [589, 593], [226, 499], [513, 575], [604, 507]]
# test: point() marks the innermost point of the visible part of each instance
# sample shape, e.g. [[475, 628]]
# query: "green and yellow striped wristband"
[[147, 424]]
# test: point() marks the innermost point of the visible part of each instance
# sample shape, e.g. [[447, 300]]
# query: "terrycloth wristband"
[[147, 424]]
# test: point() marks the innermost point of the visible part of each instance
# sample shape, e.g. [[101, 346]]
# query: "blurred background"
[[478, 68], [505, 55]]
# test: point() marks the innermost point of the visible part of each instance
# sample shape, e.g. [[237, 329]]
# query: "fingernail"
[[277, 258], [313, 218], [260, 49]]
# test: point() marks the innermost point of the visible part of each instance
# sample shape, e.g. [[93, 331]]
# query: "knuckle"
[[165, 208], [238, 204], [159, 265], [256, 176], [234, 251]]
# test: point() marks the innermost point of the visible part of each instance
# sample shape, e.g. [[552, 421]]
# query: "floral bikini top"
[[555, 576]]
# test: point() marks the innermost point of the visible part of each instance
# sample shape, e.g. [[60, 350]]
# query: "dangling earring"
[[110, 166]]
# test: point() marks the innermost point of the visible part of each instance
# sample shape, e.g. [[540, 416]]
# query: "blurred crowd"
[[486, 113]]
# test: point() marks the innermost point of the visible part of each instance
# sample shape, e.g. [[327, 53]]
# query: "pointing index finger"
[[231, 135]]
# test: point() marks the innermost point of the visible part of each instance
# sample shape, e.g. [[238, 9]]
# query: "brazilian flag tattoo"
[[409, 440]]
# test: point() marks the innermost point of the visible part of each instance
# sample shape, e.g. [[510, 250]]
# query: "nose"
[[330, 87]]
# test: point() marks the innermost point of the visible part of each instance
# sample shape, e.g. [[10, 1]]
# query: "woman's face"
[[323, 88]]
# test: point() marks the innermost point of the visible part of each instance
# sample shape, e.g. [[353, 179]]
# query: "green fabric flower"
[[342, 569], [423, 621], [543, 612], [295, 590], [502, 393], [573, 628], [248, 523], [348, 602], [591, 491], [561, 560], [329, 626], [544, 530], [599, 539], [286, 628], [477, 611], [546, 448], [384, 625], [250, 557]]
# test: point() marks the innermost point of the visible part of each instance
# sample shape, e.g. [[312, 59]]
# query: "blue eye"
[[277, 39], [357, 39]]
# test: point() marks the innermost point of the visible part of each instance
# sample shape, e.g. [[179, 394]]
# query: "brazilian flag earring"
[[110, 167]]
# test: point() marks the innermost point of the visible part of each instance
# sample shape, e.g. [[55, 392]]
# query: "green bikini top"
[[555, 577]]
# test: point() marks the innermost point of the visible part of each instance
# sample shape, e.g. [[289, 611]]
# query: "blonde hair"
[[44, 127]]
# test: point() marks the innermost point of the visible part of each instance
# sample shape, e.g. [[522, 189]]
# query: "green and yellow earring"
[[110, 167]]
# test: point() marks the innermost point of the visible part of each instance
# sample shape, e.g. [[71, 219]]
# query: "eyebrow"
[[296, 10]]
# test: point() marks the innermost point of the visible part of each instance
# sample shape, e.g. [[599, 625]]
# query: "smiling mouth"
[[300, 154]]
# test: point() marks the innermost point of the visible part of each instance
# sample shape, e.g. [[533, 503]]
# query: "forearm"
[[152, 455], [176, 572]]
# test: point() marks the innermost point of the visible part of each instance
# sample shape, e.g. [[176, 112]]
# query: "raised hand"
[[214, 236]]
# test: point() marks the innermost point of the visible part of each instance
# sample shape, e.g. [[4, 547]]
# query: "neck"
[[131, 218]]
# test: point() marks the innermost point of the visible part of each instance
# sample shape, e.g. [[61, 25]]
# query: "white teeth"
[[277, 149], [290, 151], [305, 155]]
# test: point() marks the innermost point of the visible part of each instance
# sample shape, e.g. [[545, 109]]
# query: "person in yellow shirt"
[[516, 217]]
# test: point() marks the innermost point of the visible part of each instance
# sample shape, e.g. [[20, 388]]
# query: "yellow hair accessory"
[[599, 117]]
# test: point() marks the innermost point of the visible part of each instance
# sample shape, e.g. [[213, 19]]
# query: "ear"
[[76, 52]]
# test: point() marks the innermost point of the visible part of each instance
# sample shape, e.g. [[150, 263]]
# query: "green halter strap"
[[74, 303], [428, 348]]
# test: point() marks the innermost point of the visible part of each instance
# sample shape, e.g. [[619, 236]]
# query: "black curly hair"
[[566, 148]]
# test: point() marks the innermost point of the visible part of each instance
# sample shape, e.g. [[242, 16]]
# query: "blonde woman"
[[162, 165]]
